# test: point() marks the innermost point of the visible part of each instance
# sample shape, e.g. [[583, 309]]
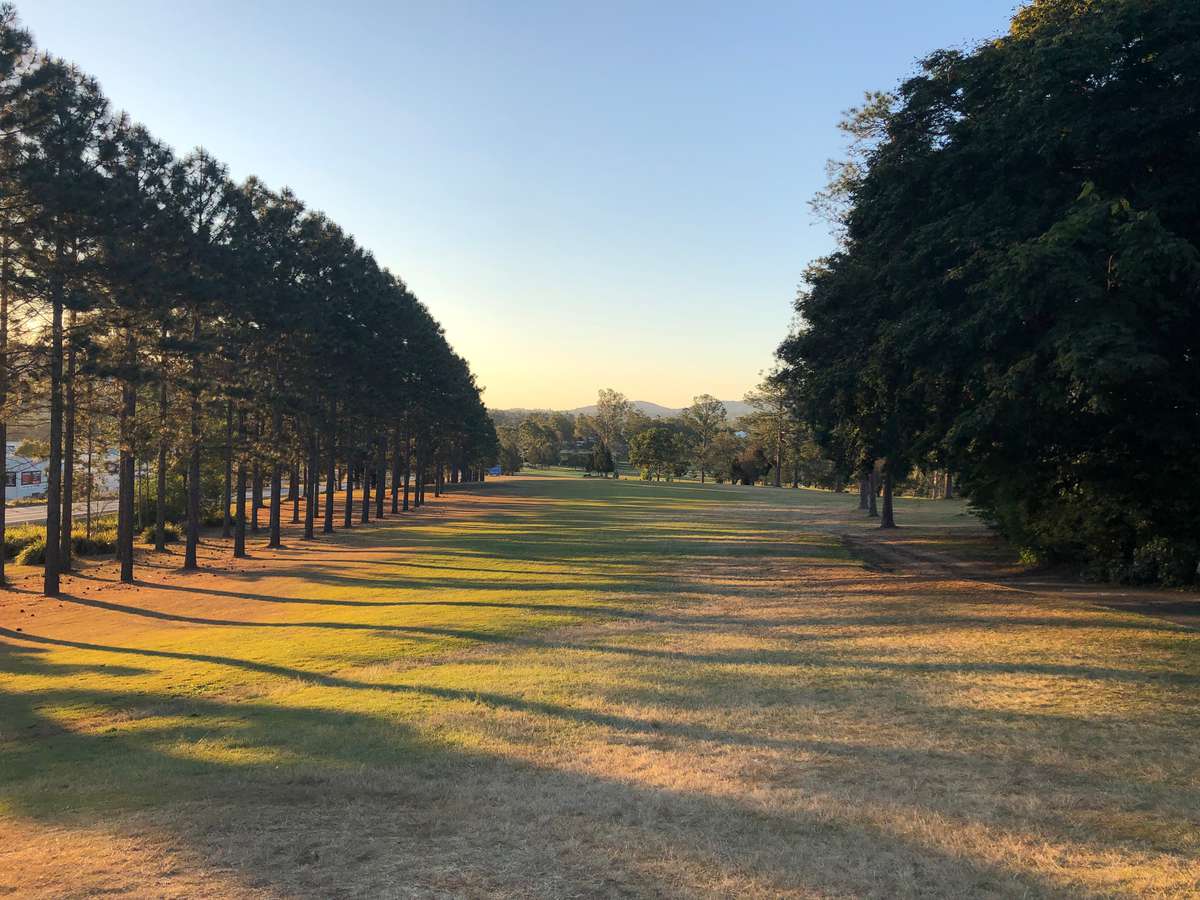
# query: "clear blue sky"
[[585, 194]]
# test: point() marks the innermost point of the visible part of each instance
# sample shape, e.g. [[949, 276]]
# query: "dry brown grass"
[[622, 690]]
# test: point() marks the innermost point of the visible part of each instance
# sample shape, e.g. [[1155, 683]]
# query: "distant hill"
[[733, 408]]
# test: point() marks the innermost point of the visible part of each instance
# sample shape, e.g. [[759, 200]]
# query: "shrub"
[[171, 533], [102, 541], [33, 553], [19, 537], [1169, 563]]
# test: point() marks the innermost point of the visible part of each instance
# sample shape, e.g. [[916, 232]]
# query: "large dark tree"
[[1018, 292]]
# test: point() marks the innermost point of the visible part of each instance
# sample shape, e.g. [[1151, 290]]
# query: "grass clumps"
[[103, 539], [17, 538], [171, 533], [33, 553], [25, 545]]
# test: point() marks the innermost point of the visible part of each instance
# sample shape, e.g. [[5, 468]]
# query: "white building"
[[24, 477]]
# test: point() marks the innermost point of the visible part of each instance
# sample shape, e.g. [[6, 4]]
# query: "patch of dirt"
[[890, 552]]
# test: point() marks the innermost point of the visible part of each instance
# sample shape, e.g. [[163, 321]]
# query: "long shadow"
[[430, 631], [321, 737], [235, 817]]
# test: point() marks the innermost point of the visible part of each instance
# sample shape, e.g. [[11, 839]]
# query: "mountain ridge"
[[733, 409]]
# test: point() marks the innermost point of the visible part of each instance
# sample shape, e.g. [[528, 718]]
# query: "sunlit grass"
[[553, 683]]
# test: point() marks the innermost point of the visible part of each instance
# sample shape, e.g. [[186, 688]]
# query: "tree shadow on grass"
[[321, 801]]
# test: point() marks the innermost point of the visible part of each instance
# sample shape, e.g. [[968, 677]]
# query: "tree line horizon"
[[219, 333], [767, 445]]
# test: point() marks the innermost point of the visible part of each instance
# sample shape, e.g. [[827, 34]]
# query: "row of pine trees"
[[216, 327]]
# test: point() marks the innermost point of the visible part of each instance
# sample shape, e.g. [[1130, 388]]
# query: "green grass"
[[572, 685]]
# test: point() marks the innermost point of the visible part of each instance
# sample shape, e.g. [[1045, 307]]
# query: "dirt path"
[[892, 553]]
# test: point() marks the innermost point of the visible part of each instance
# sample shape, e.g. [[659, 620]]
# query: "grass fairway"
[[552, 686]]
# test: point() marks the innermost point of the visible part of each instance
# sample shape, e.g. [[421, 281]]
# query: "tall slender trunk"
[[50, 585], [193, 500], [872, 490], [864, 485], [365, 515], [779, 458], [311, 493], [275, 516], [294, 490], [396, 470], [4, 288], [239, 529], [419, 475], [125, 487], [380, 473], [160, 505], [331, 469], [888, 519], [68, 488], [256, 494], [948, 486], [348, 512], [227, 490], [91, 446], [407, 470]]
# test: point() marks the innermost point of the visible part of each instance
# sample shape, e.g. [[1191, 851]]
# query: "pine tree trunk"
[[407, 470], [331, 469], [256, 495], [91, 442], [348, 512], [68, 488], [125, 476], [311, 493], [380, 473], [419, 495], [864, 485], [160, 506], [294, 491], [190, 560], [888, 520], [365, 515], [227, 492], [779, 459], [871, 494], [4, 387], [50, 585], [239, 529], [396, 470], [275, 516]]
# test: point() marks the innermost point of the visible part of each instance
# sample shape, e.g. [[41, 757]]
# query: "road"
[[24, 515]]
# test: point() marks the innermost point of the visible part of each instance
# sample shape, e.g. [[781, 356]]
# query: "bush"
[[171, 533], [33, 553], [1169, 563], [19, 537], [102, 541]]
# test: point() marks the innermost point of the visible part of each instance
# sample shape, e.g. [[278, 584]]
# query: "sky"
[[585, 195]]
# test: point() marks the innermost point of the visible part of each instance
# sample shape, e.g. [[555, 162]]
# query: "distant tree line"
[[769, 445], [1016, 295], [218, 333]]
